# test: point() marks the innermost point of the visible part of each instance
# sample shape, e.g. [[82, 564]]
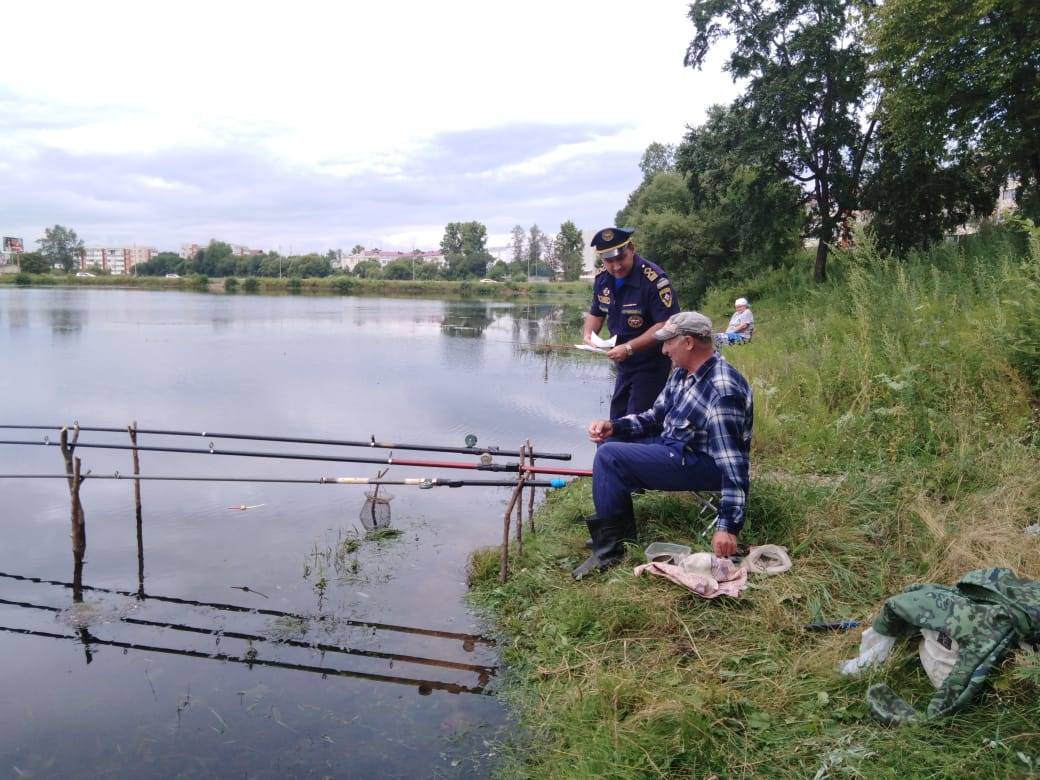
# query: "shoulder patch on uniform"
[[662, 282], [666, 296], [649, 273]]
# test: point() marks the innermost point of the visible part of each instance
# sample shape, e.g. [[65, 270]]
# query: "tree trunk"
[[820, 269]]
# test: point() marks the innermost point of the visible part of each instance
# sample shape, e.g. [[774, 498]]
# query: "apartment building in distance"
[[188, 251], [347, 262], [116, 260]]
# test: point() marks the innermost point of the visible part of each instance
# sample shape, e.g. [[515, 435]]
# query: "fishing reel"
[[471, 442]]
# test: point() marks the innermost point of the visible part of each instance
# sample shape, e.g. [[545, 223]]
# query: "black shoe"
[[595, 564], [589, 543]]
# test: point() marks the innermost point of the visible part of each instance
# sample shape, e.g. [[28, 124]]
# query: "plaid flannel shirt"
[[710, 411]]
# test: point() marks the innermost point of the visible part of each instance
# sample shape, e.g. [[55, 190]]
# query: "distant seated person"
[[741, 324]]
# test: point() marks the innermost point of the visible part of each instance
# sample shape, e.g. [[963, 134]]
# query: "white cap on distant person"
[[741, 302]]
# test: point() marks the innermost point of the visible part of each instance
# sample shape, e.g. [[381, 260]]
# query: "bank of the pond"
[[896, 441], [331, 285]]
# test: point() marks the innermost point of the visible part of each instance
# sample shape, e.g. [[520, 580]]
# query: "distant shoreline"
[[330, 285]]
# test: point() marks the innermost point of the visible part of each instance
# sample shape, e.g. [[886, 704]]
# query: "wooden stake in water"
[[77, 519], [132, 430]]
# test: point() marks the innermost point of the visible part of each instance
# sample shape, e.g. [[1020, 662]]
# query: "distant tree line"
[[218, 259], [908, 115], [464, 246]]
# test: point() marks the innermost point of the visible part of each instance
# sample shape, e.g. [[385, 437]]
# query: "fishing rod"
[[388, 461], [468, 450], [546, 347], [423, 483]]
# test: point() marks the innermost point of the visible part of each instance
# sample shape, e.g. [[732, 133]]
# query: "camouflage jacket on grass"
[[985, 614]]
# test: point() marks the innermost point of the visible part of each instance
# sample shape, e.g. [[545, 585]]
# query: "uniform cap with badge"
[[609, 242]]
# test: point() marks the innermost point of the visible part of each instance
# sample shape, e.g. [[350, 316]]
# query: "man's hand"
[[592, 324], [600, 430], [620, 353], [723, 544]]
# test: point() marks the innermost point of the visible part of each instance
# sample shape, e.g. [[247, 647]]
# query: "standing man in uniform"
[[635, 299]]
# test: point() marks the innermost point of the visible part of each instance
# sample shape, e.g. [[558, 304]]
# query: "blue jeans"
[[730, 338], [646, 464]]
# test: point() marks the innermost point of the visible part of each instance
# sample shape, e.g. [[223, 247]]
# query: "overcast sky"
[[310, 126]]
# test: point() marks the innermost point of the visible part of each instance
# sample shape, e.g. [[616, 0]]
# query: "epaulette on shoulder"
[[652, 265]]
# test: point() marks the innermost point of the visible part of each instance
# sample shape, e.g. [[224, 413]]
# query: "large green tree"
[[61, 246], [809, 93], [965, 76], [657, 157], [750, 210], [916, 193], [451, 244], [568, 250], [725, 211], [217, 259], [465, 250]]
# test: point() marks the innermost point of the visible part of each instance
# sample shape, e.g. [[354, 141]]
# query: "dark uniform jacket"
[[644, 299]]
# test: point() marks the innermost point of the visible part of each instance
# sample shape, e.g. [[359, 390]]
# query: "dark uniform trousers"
[[636, 391]]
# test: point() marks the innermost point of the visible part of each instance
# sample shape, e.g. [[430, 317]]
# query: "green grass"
[[895, 442]]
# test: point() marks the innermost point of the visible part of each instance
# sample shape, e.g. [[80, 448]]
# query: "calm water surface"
[[184, 682]]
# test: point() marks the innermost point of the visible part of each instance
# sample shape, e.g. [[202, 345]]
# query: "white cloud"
[[315, 92]]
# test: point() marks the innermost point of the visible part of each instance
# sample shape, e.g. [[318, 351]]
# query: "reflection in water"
[[430, 632], [67, 321], [466, 319], [81, 618], [17, 317], [249, 660]]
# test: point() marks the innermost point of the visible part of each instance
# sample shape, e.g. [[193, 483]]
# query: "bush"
[[23, 279], [294, 285], [230, 284], [251, 285], [200, 281], [342, 285]]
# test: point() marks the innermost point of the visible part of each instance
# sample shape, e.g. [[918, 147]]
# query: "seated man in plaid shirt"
[[696, 436]]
